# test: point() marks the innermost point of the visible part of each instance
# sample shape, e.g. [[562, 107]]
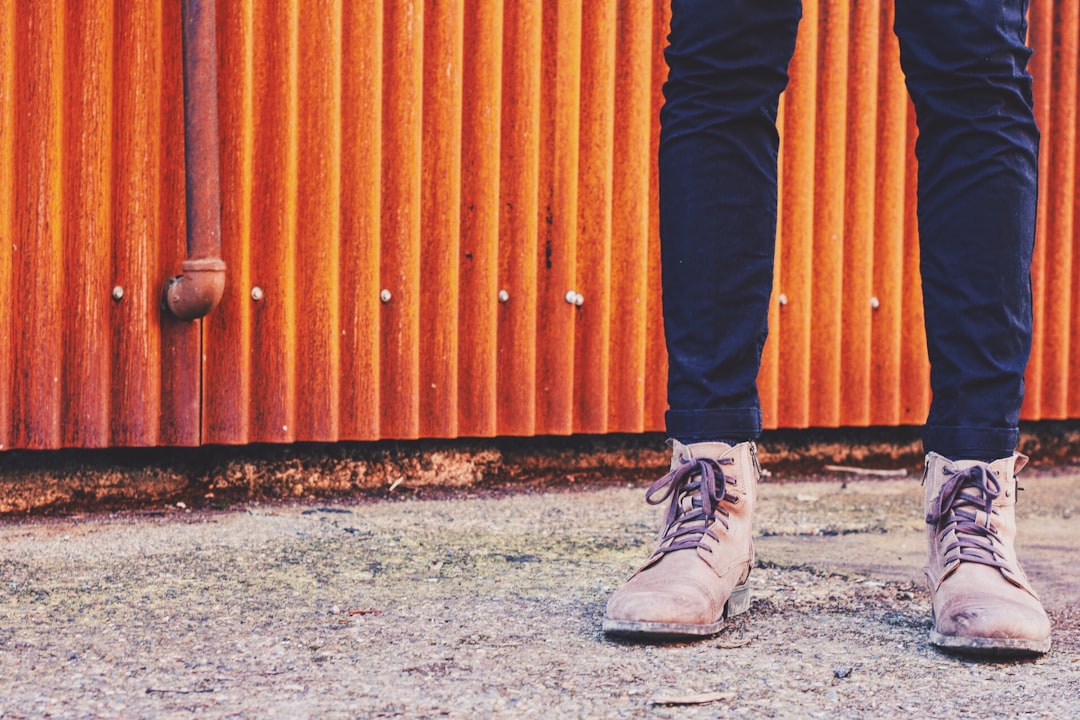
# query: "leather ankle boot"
[[697, 576], [983, 602]]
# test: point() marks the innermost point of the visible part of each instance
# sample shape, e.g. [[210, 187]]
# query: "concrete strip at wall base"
[[78, 481]]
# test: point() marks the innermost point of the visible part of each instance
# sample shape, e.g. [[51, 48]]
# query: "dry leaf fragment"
[[734, 644], [880, 472], [691, 699]]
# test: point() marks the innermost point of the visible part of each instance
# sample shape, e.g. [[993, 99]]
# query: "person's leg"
[[966, 68], [965, 64], [727, 64], [727, 67]]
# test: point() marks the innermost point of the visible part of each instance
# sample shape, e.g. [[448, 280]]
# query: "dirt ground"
[[488, 604]]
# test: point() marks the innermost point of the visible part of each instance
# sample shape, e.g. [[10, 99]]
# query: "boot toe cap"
[[988, 621], [677, 604]]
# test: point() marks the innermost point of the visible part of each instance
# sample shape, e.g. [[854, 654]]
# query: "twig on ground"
[[691, 699], [879, 472]]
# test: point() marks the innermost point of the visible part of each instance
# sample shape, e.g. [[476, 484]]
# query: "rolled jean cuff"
[[707, 425], [968, 443]]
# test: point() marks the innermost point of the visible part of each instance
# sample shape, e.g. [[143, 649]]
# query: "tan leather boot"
[[698, 573], [983, 602]]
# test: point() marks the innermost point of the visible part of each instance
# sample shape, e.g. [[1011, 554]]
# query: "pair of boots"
[[983, 603]]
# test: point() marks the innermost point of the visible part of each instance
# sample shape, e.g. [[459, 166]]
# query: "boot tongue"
[[694, 451], [1005, 467]]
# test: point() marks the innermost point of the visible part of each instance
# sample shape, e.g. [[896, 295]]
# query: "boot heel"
[[739, 602]]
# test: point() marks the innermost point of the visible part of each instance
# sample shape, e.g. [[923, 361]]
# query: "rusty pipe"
[[198, 290]]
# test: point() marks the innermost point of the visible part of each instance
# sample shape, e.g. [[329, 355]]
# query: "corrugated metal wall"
[[415, 189]]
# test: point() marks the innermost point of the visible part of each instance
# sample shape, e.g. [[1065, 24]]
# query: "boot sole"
[[990, 647], [737, 604]]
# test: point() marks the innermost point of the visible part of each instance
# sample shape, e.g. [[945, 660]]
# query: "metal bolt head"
[[504, 296], [570, 296], [118, 293], [257, 293], [782, 299], [385, 295], [875, 303], [579, 299]]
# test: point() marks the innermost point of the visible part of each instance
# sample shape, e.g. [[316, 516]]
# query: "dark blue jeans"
[[965, 63]]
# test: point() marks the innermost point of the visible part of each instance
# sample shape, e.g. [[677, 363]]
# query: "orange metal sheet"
[[888, 238], [796, 230], [137, 184], [1059, 273], [477, 260], [274, 225], [37, 250], [401, 214], [8, 237], [560, 108], [174, 352], [831, 196], [655, 401], [86, 176], [857, 300], [361, 217], [318, 222], [414, 197], [1066, 93], [513, 294], [227, 381], [440, 224], [629, 263], [593, 232], [1040, 29]]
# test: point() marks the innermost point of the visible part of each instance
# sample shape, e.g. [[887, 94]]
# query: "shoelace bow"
[[704, 482], [956, 509]]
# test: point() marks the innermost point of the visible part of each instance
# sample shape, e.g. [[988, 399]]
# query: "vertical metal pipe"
[[199, 289]]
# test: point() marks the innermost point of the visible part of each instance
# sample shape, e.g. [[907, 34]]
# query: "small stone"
[[842, 671]]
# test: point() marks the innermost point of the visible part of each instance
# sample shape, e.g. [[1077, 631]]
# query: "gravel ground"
[[491, 606]]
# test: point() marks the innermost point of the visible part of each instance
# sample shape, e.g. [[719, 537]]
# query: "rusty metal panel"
[[37, 251], [7, 214], [829, 283], [440, 223], [890, 143], [361, 222], [318, 222], [795, 230], [560, 107], [857, 303], [512, 45], [655, 401], [1053, 382], [439, 220], [477, 261], [630, 228], [91, 221]]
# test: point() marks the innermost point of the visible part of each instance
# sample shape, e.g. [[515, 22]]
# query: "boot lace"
[[697, 489], [964, 507]]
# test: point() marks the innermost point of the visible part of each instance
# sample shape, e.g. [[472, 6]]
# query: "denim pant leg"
[[966, 67], [728, 63]]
